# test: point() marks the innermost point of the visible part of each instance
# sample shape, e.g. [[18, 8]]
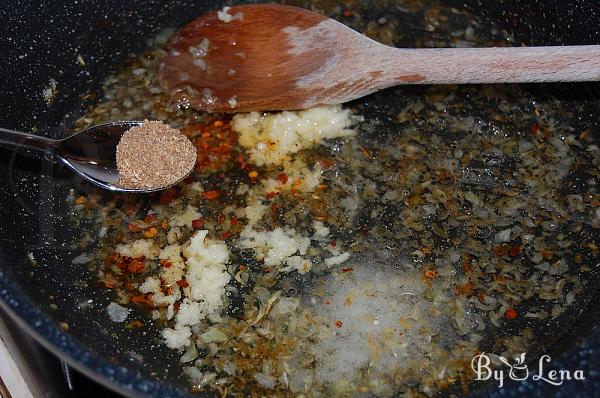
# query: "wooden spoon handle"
[[492, 65]]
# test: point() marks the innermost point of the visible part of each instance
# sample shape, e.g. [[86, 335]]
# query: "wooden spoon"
[[275, 57]]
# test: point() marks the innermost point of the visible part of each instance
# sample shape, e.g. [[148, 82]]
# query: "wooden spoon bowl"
[[274, 57]]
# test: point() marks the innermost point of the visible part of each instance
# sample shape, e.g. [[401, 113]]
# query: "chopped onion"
[[213, 335], [190, 354]]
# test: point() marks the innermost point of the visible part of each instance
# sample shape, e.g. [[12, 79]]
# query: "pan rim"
[[120, 379], [127, 382]]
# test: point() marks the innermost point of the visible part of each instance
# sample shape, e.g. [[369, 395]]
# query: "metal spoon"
[[91, 153]]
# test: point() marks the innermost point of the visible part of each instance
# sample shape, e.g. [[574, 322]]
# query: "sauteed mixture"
[[371, 249]]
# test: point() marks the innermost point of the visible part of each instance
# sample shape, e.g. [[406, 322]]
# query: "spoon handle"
[[492, 65], [30, 141]]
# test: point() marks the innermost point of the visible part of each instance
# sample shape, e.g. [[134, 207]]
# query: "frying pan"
[[76, 44]]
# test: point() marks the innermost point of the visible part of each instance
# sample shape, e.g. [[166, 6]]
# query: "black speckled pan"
[[76, 43]]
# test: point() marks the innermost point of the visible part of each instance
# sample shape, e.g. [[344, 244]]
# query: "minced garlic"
[[272, 137], [274, 247], [206, 277]]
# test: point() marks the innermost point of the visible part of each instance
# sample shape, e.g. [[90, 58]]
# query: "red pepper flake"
[[197, 223], [135, 266], [139, 299], [133, 227], [510, 314], [167, 196], [150, 218], [338, 324], [243, 267], [164, 224], [109, 284], [535, 128], [430, 274], [129, 209], [233, 221], [225, 235], [516, 250], [211, 195], [282, 178], [166, 263], [347, 13], [481, 297], [182, 283], [271, 195], [349, 269], [327, 163], [332, 242], [501, 250], [242, 163]]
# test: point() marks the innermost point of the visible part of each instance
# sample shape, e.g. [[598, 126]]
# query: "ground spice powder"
[[153, 155]]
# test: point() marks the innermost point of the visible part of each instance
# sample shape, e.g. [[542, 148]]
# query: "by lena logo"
[[482, 366]]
